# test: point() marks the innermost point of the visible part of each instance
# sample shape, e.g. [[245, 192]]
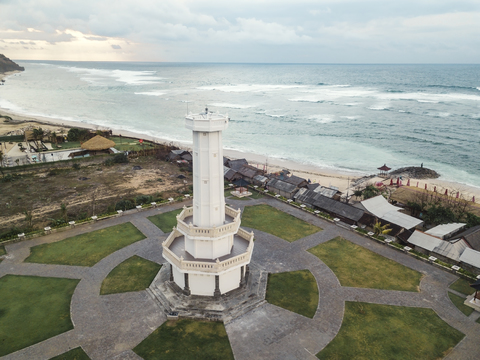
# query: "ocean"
[[347, 118]]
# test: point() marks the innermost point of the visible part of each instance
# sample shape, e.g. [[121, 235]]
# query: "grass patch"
[[165, 221], [371, 331], [33, 309], [268, 219], [74, 354], [458, 301], [295, 291], [187, 340], [86, 249], [356, 266], [123, 144], [134, 274], [2, 250], [67, 145], [462, 286]]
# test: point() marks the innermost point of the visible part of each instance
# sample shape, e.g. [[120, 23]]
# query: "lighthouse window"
[[204, 134]]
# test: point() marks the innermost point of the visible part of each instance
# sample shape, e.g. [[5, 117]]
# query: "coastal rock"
[[415, 172], [7, 65]]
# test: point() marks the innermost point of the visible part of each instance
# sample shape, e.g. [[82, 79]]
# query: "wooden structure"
[[384, 170]]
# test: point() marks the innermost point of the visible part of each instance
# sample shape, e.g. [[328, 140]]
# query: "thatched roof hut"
[[98, 143]]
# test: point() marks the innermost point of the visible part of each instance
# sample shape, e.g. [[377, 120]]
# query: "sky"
[[242, 31]]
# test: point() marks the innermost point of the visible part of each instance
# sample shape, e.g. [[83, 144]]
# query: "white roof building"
[[381, 208], [445, 230], [425, 241], [471, 257]]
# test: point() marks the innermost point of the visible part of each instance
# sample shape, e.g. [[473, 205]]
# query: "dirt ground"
[[93, 187]]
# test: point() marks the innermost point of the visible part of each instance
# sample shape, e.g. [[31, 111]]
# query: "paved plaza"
[[109, 326]]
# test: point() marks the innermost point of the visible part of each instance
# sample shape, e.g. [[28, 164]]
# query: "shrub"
[[143, 199], [124, 205], [75, 134], [120, 158], [76, 166]]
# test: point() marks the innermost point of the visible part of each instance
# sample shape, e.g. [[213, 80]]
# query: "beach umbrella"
[[446, 192], [417, 183], [425, 186], [473, 199], [398, 181], [408, 182], [391, 181], [458, 193], [434, 189]]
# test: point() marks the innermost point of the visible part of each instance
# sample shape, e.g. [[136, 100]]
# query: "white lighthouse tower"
[[208, 252]]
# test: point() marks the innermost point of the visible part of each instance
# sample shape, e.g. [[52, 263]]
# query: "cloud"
[[252, 30]]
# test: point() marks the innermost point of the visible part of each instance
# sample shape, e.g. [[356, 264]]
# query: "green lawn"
[[134, 274], [123, 144], [86, 249], [67, 145], [462, 286], [165, 221], [295, 291], [187, 340], [458, 301], [74, 354], [371, 332], [33, 309], [356, 266], [276, 222]]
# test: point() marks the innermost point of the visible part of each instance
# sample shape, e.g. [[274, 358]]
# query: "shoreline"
[[343, 180]]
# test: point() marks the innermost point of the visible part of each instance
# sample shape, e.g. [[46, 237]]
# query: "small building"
[[282, 188], [177, 154], [230, 174], [237, 164], [382, 209], [470, 260], [297, 181], [446, 231], [260, 180], [248, 172], [472, 237], [346, 213]]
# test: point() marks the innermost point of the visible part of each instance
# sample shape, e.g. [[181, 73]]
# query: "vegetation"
[[268, 219], [33, 309], [356, 266], [372, 332], [134, 274], [75, 134], [368, 192], [2, 250], [86, 249], [380, 229], [187, 340], [295, 291], [458, 301], [462, 286], [165, 221], [74, 354]]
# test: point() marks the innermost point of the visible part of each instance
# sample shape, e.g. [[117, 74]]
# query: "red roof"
[[384, 168]]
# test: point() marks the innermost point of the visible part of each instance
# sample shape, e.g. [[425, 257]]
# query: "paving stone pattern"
[[108, 327]]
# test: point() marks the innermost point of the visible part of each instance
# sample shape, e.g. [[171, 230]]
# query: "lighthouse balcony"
[[186, 227], [174, 252]]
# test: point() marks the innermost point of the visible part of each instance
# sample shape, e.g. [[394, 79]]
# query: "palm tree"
[[37, 135], [28, 218], [378, 229]]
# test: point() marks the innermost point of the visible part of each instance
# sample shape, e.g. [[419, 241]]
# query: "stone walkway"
[[108, 327]]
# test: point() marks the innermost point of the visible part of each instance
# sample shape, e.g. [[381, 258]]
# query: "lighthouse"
[[208, 251]]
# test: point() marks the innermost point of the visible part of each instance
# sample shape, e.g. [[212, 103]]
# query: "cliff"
[[8, 65]]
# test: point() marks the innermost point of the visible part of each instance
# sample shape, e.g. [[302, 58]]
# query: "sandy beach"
[[344, 181]]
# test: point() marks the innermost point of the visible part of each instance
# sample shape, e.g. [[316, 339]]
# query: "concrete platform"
[[226, 308]]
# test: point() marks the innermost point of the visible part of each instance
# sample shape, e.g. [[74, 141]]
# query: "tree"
[[38, 135], [380, 229], [369, 192], [63, 212], [28, 218], [1, 163]]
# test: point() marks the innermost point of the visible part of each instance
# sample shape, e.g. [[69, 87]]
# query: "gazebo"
[[384, 169], [98, 143]]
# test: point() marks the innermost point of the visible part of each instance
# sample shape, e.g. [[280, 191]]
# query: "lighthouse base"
[[172, 299]]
